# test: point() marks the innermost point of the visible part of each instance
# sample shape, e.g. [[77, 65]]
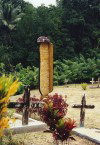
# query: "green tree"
[[80, 21], [9, 15]]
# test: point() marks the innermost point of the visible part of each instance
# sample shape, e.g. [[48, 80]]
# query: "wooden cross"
[[98, 82], [83, 106], [26, 100], [25, 105]]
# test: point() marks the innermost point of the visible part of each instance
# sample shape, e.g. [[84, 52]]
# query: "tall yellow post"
[[46, 66]]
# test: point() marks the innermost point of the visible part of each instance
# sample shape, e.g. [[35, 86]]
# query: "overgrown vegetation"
[[72, 26], [67, 71], [76, 71]]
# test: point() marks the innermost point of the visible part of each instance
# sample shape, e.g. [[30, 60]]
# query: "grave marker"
[[46, 66], [98, 83], [92, 81], [83, 106], [26, 99], [95, 82], [25, 105]]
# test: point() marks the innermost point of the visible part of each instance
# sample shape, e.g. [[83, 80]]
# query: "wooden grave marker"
[[98, 82], [26, 100], [83, 106], [25, 105], [46, 66]]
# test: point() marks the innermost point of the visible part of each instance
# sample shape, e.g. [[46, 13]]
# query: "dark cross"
[[98, 83], [25, 105], [83, 106], [26, 100]]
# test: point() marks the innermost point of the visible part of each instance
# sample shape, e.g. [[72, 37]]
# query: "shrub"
[[2, 68], [28, 76], [63, 129], [76, 71], [54, 109], [8, 87], [31, 109], [53, 114], [84, 86], [73, 71]]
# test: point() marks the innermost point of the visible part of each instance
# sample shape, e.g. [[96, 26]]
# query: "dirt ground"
[[74, 95], [41, 138]]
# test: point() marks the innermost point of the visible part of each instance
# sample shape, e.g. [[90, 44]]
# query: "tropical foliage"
[[53, 114], [63, 129], [9, 15], [8, 87], [54, 109], [72, 26], [77, 70]]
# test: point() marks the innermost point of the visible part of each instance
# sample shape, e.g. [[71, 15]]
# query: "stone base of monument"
[[33, 126], [90, 134]]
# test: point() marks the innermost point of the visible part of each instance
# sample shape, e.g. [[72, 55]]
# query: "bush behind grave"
[[76, 71], [72, 71], [27, 76]]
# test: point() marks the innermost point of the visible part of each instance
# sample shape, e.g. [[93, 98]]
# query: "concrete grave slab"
[[90, 134], [33, 126]]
